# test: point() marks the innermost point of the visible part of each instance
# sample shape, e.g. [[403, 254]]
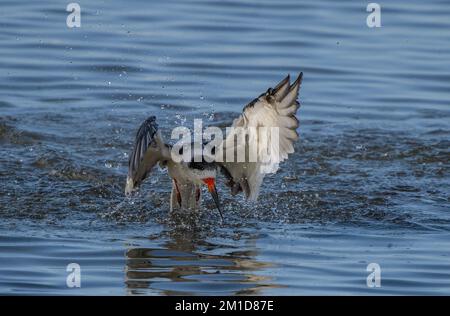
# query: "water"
[[369, 182]]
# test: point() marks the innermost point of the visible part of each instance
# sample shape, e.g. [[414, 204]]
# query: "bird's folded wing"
[[275, 108], [149, 149]]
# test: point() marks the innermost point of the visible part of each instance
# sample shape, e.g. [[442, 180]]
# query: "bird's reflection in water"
[[188, 264]]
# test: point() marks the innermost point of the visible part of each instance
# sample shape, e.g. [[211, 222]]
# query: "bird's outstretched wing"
[[149, 149], [275, 108]]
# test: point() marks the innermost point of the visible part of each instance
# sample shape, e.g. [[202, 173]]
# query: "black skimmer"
[[277, 107]]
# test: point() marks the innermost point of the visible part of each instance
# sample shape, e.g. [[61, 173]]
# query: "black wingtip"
[[282, 83], [144, 136], [148, 126], [297, 81], [281, 89]]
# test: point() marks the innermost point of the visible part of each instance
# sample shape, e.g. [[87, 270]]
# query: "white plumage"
[[275, 108]]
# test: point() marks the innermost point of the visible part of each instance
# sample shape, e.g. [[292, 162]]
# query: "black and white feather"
[[149, 149], [275, 108]]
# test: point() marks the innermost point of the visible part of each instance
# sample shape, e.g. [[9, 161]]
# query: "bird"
[[277, 107]]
